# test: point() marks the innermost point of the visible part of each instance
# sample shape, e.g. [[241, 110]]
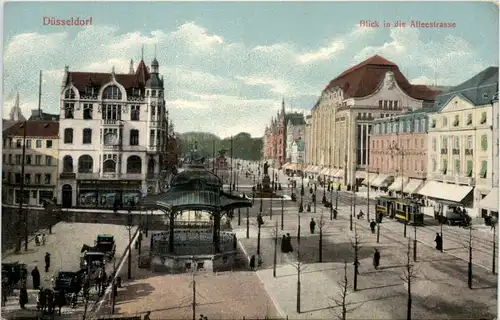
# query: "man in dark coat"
[[289, 247], [283, 244], [260, 221], [373, 224], [439, 242], [23, 296], [47, 261], [252, 262], [312, 225], [60, 300], [35, 275], [376, 259]]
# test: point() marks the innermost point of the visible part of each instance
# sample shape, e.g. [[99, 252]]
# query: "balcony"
[[156, 124], [469, 152], [112, 147], [152, 148], [111, 123], [455, 151], [452, 178], [67, 175], [444, 151], [110, 176]]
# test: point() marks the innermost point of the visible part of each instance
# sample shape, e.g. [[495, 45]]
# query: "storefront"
[[104, 194]]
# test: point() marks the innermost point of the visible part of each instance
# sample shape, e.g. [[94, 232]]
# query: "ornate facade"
[[341, 119]]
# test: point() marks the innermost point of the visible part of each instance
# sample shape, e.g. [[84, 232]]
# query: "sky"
[[228, 65]]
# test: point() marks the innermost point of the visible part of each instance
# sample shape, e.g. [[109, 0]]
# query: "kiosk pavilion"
[[181, 248]]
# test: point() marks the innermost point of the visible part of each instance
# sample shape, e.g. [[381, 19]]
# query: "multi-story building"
[[38, 141], [295, 130], [490, 202], [398, 152], [460, 142], [307, 140], [341, 119], [113, 131], [297, 153]]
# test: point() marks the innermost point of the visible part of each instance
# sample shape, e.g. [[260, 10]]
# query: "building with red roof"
[[337, 146]]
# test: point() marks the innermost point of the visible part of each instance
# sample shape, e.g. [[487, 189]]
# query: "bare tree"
[[299, 267], [409, 275], [356, 246], [321, 224], [341, 301], [275, 234]]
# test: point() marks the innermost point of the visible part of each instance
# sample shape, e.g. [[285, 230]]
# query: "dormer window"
[[485, 95], [112, 93], [70, 94], [89, 91], [136, 92]]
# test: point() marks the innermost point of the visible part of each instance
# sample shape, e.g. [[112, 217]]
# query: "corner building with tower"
[[113, 136]]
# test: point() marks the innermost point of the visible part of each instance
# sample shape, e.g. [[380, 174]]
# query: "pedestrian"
[[439, 242], [23, 296], [308, 207], [60, 300], [37, 240], [312, 225], [44, 239], [35, 275], [260, 221], [289, 243], [5, 291], [335, 214], [50, 228], [376, 259], [373, 224], [146, 316], [283, 244], [47, 261], [252, 263]]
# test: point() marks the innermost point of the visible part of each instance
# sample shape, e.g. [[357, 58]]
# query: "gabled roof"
[[364, 79], [479, 90], [81, 80], [34, 128]]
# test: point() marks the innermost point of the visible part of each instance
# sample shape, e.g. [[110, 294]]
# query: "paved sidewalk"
[[439, 292]]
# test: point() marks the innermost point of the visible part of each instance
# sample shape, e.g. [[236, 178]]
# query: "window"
[[70, 94], [87, 111], [469, 168], [68, 135], [28, 159], [444, 142], [18, 159], [421, 165], [380, 104], [445, 121], [28, 144], [469, 142], [18, 178], [19, 143], [469, 119], [34, 194], [408, 126], [112, 112], [48, 160], [153, 113], [484, 169], [456, 121], [112, 93], [434, 165], [10, 159], [433, 123], [457, 167], [48, 178], [67, 164], [153, 93], [456, 142], [390, 104], [38, 160], [135, 113], [422, 143], [417, 126], [385, 104], [134, 137], [48, 144], [134, 164], [85, 164], [484, 142], [396, 105], [27, 178], [38, 143], [109, 165], [152, 138], [434, 143], [87, 136], [483, 117], [422, 125], [38, 178], [444, 166], [69, 110]]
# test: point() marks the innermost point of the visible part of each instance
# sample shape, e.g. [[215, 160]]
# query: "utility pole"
[[282, 212], [368, 184], [248, 223], [469, 273], [493, 262], [275, 258], [129, 229], [231, 176], [21, 191]]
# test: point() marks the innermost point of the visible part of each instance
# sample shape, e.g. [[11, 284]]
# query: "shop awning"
[[285, 166], [413, 185], [339, 173], [382, 180], [316, 169], [331, 172], [294, 166], [360, 174], [445, 191], [324, 171], [369, 179], [490, 202], [308, 168], [398, 184]]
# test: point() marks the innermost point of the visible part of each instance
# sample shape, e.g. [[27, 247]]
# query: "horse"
[[86, 247]]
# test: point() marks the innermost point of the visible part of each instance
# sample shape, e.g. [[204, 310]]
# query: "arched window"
[[85, 164], [68, 135], [109, 165], [151, 166], [112, 93], [67, 164], [70, 94], [134, 164]]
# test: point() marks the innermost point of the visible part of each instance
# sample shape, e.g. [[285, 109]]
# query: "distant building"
[[307, 139], [295, 130], [40, 162], [297, 152], [40, 115]]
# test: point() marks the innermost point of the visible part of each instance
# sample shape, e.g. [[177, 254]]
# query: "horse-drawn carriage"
[[68, 281], [91, 259], [105, 243], [14, 273]]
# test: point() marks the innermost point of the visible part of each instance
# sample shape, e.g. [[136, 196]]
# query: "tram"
[[408, 211], [385, 206]]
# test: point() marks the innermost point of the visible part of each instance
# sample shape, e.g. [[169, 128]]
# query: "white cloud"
[[277, 86], [335, 46], [449, 62]]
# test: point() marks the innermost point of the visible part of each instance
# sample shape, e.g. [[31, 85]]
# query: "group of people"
[[40, 239], [286, 244]]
